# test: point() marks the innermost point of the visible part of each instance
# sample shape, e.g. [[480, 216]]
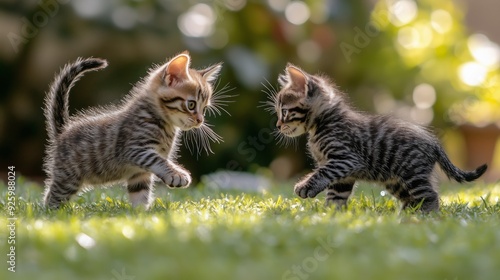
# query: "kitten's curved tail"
[[56, 102], [456, 173]]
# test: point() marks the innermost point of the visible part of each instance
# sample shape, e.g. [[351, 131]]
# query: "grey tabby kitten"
[[130, 142], [348, 145]]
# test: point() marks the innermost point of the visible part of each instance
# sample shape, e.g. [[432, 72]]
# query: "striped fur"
[[348, 145], [133, 142]]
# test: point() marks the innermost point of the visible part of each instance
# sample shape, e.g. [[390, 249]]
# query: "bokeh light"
[[278, 5], [472, 73], [424, 96], [235, 5], [413, 37], [441, 21], [89, 8], [297, 12], [85, 241], [198, 21], [483, 50], [403, 12], [124, 17]]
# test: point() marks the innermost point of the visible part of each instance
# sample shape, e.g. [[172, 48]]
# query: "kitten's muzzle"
[[198, 120], [279, 124], [286, 129]]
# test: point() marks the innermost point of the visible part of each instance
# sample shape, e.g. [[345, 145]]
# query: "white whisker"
[[189, 140], [198, 139], [285, 141], [270, 88], [271, 94], [219, 100]]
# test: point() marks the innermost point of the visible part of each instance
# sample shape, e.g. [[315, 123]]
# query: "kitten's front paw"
[[304, 189], [178, 179]]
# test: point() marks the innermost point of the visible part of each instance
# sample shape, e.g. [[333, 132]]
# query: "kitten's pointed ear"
[[211, 73], [177, 70], [297, 78]]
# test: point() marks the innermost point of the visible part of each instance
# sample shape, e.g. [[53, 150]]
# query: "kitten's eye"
[[284, 112], [191, 105]]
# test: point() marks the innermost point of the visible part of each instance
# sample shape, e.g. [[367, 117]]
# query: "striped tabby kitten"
[[131, 142], [348, 145]]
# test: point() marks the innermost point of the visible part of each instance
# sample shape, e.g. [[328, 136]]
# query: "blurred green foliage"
[[379, 55]]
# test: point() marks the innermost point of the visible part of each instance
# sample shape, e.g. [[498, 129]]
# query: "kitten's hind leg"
[[337, 194], [140, 190], [422, 194], [414, 193], [60, 191], [400, 192]]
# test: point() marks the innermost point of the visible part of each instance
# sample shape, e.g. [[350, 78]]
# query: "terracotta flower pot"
[[480, 146]]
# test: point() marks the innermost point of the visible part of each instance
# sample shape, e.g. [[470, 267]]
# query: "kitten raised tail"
[[456, 173], [56, 103]]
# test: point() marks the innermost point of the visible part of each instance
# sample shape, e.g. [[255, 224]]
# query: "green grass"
[[199, 233]]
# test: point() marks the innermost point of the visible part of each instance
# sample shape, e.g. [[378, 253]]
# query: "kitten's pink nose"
[[199, 119], [279, 124]]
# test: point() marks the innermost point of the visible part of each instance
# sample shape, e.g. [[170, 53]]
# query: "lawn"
[[200, 233]]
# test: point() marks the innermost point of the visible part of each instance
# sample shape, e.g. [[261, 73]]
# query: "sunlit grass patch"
[[200, 233], [473, 195]]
